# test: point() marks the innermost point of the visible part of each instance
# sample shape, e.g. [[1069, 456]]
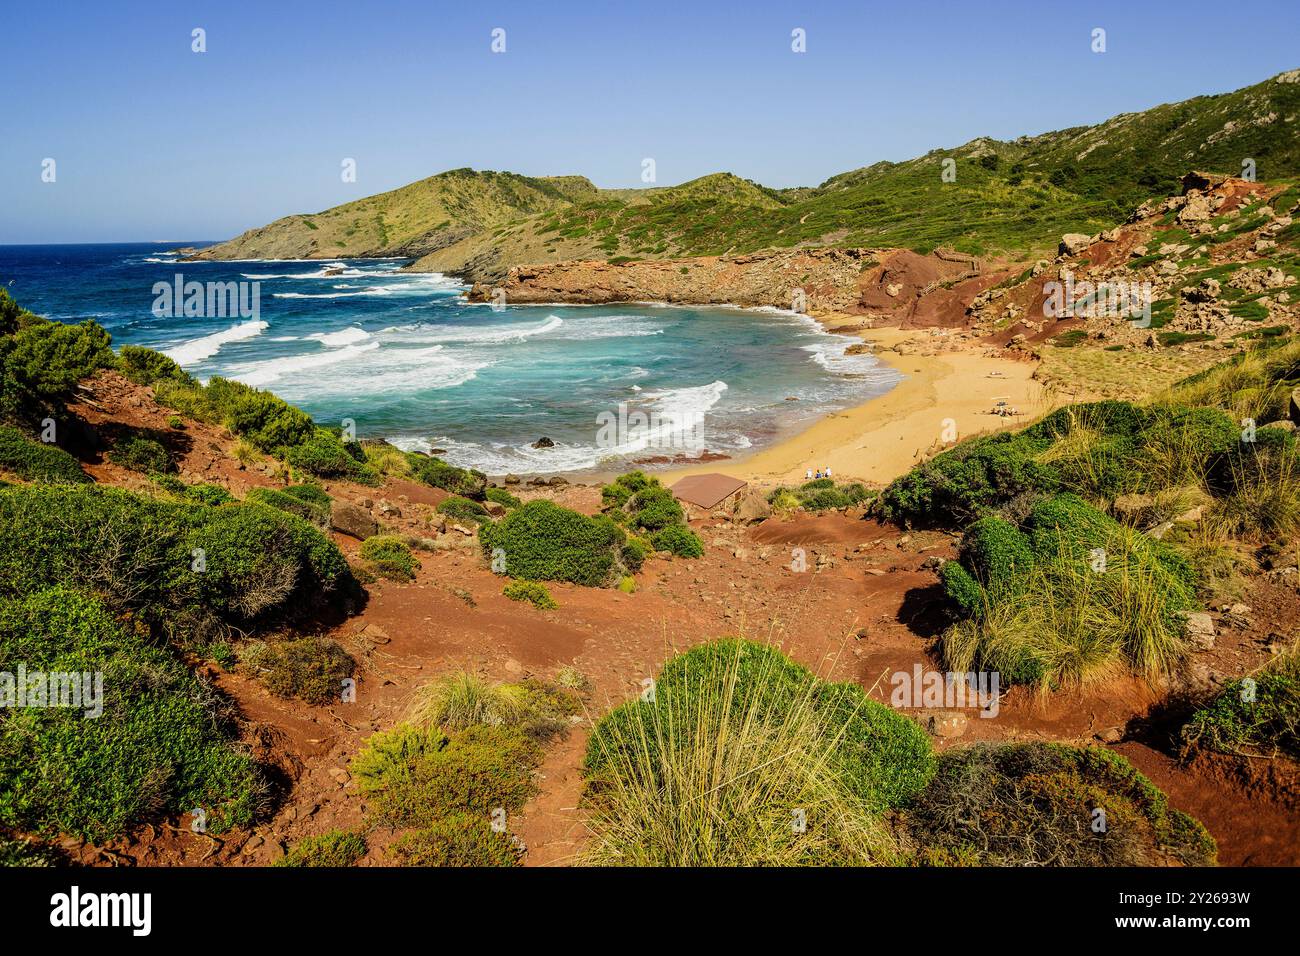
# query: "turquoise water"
[[404, 357]]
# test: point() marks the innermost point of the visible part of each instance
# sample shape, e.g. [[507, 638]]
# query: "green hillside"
[[1013, 198]]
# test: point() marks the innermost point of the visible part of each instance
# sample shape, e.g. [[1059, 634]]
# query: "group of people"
[[821, 473]]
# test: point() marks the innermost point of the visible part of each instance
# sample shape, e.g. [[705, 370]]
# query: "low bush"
[[1257, 716], [37, 461], [325, 455], [143, 455], [41, 362], [459, 481], [463, 509], [502, 497], [461, 839], [282, 500], [202, 493], [308, 668], [242, 563], [820, 494], [163, 744], [542, 541], [679, 539], [145, 366], [390, 556], [411, 775], [335, 848], [1036, 804], [1068, 598], [532, 592]]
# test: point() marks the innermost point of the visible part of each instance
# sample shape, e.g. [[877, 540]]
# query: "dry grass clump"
[[739, 769]]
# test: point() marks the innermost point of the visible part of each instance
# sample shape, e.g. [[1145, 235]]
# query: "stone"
[[353, 521], [387, 509], [751, 508], [512, 479], [543, 442], [945, 723], [1196, 209], [1199, 629], [1073, 243], [494, 508]]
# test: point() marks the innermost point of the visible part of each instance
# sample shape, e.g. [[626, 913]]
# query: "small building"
[[708, 491]]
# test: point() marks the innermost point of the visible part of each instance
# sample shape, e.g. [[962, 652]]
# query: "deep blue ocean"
[[406, 358]]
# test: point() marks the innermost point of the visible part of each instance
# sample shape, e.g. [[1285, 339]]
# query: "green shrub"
[[37, 461], [308, 668], [391, 557], [654, 508], [282, 500], [680, 540], [880, 756], [532, 592], [968, 482], [634, 553], [141, 553], [459, 481], [325, 456], [1256, 719], [18, 851], [146, 366], [998, 555], [618, 492], [463, 509], [312, 494], [883, 757], [461, 839], [268, 423], [201, 493], [545, 542], [411, 775], [335, 848], [502, 497], [41, 363], [163, 745], [143, 455], [1068, 598], [1033, 804]]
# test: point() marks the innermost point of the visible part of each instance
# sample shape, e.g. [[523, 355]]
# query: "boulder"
[[512, 479], [353, 521], [751, 508], [494, 508], [1200, 630], [543, 442], [1073, 243], [1196, 209]]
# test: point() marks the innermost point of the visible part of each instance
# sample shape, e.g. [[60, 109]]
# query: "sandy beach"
[[884, 437]]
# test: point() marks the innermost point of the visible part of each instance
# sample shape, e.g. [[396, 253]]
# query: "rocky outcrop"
[[803, 279]]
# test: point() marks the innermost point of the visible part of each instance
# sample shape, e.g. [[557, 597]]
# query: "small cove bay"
[[404, 357]]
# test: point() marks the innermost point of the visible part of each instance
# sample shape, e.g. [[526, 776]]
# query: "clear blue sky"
[[155, 142]]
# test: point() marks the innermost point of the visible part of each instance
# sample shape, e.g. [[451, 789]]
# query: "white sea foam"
[[196, 350], [470, 334], [348, 336], [360, 370], [264, 373]]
